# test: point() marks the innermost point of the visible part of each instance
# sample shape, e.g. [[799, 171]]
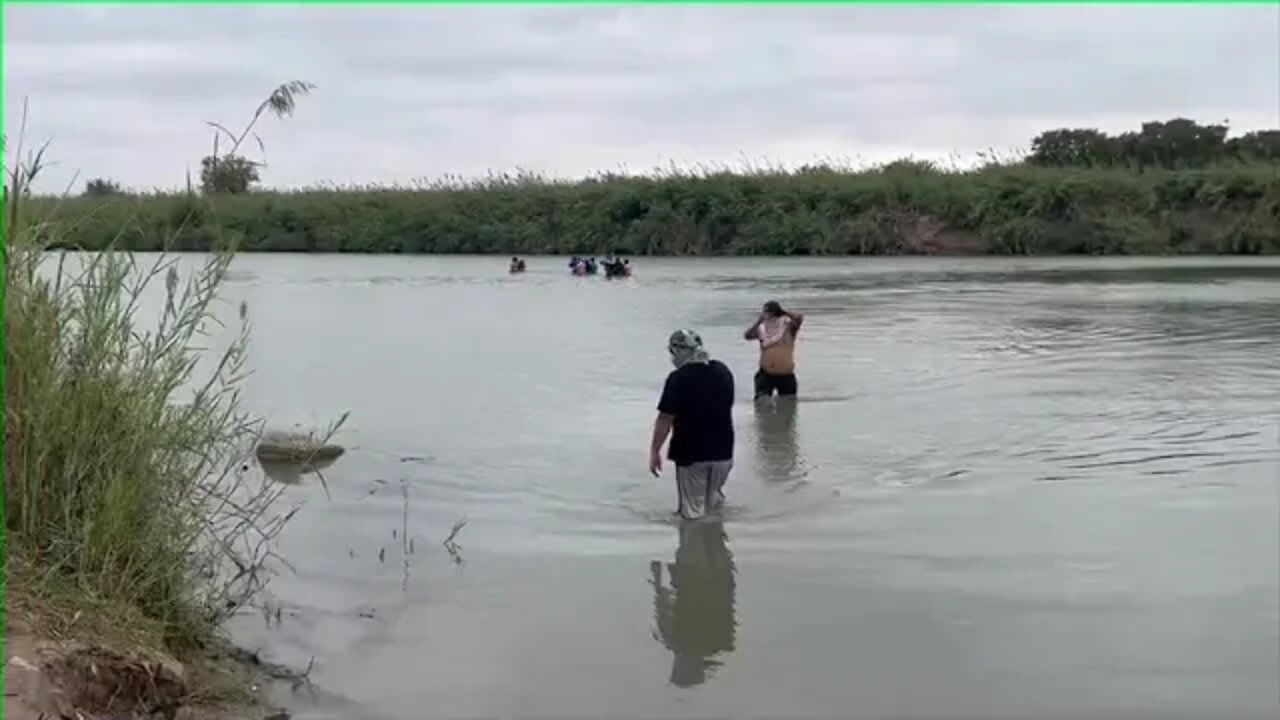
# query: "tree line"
[[1171, 187], [1172, 144], [1179, 143]]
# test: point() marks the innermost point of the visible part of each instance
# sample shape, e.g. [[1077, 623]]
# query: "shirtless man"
[[776, 331]]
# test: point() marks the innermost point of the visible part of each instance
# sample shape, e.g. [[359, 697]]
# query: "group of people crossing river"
[[695, 409], [614, 267]]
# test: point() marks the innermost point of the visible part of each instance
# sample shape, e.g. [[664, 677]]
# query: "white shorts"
[[701, 487]]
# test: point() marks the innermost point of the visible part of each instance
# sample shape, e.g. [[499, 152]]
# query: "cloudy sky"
[[405, 93]]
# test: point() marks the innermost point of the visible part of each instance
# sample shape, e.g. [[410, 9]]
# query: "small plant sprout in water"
[[450, 543]]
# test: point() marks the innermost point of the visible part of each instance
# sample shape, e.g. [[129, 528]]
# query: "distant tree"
[[1258, 145], [1176, 143], [231, 172], [1068, 147], [910, 166], [816, 169], [102, 186]]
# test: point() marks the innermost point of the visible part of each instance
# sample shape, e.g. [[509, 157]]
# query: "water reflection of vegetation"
[[694, 616]]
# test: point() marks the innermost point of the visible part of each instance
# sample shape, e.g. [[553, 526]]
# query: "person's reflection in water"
[[695, 614], [777, 448]]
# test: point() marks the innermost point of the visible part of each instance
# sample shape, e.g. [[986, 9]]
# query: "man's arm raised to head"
[[753, 331], [797, 319]]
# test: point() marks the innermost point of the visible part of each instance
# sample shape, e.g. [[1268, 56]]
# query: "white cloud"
[[408, 92]]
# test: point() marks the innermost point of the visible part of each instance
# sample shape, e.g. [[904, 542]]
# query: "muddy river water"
[[1010, 488]]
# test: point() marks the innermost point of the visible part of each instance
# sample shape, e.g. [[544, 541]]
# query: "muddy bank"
[[48, 679]]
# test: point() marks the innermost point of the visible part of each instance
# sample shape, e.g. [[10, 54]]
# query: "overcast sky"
[[413, 92]]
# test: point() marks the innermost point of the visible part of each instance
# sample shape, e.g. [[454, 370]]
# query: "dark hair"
[[773, 308]]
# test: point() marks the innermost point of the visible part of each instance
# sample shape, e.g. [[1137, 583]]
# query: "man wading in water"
[[776, 330], [696, 410]]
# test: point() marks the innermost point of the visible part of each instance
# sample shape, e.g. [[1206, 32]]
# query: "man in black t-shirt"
[[696, 410]]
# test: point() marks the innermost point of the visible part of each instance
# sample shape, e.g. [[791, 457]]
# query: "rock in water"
[[296, 448]]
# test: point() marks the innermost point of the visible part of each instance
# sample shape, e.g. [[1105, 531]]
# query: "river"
[[1010, 488]]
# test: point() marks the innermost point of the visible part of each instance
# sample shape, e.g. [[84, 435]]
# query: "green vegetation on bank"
[[130, 524], [123, 508], [1173, 187], [896, 210]]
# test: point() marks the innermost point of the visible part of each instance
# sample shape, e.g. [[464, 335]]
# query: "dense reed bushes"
[[135, 523], [126, 514], [902, 208]]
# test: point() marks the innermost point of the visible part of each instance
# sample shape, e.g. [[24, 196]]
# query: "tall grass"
[[900, 208], [125, 509]]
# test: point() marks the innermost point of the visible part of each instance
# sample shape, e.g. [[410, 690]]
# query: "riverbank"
[[900, 209], [78, 673], [69, 653], [131, 535]]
